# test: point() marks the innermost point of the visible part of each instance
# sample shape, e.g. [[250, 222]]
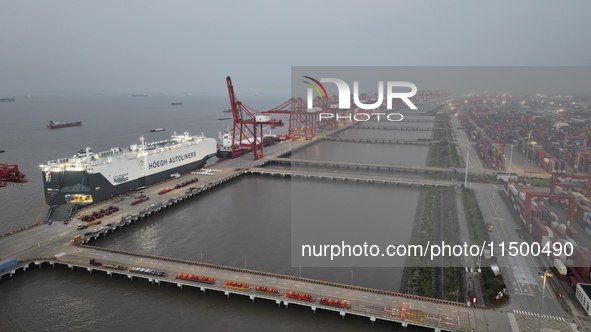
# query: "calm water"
[[250, 217]]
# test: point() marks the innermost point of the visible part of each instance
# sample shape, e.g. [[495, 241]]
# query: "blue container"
[[8, 264], [575, 245], [534, 228], [544, 211]]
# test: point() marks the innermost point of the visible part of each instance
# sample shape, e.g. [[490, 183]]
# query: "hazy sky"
[[191, 46]]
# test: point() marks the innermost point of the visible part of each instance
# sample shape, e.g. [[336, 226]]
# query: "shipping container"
[[572, 233], [573, 242], [582, 263], [560, 267], [8, 264], [559, 233], [545, 240], [572, 281]]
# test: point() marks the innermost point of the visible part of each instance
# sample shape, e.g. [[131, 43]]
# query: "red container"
[[579, 214], [540, 232], [559, 232], [573, 272], [572, 281], [582, 263], [572, 233], [557, 274]]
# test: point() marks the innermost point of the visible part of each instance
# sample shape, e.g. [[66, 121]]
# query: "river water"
[[250, 217]]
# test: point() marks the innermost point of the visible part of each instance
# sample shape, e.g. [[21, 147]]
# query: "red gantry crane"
[[578, 134], [248, 126], [572, 204], [10, 173], [556, 176]]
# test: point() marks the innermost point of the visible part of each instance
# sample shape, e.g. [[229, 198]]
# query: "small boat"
[[225, 119], [2, 151], [176, 104], [227, 110], [157, 129], [140, 95]]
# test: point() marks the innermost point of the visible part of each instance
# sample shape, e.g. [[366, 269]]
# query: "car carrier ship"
[[89, 178]]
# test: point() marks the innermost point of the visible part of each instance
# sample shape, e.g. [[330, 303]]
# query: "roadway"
[[447, 316], [352, 176], [520, 272], [328, 163]]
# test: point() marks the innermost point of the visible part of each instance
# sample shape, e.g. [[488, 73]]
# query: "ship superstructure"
[[89, 177]]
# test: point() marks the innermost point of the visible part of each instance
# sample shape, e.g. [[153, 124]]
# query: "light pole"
[[544, 274], [245, 262], [201, 255], [532, 162], [467, 163], [526, 153], [351, 277]]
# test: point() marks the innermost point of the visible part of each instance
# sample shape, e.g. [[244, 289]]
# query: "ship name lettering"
[[157, 163], [183, 157]]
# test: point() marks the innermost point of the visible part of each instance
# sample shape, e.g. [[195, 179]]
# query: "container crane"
[[10, 173], [556, 176], [250, 121], [578, 134], [578, 159], [485, 143], [572, 204]]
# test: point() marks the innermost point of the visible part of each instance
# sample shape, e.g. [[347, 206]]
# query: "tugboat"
[[56, 125]]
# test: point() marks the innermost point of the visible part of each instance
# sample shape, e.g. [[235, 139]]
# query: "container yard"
[[551, 136], [568, 254]]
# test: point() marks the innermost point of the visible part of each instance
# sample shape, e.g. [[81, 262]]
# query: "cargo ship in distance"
[[56, 125], [140, 95], [89, 178], [7, 99]]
